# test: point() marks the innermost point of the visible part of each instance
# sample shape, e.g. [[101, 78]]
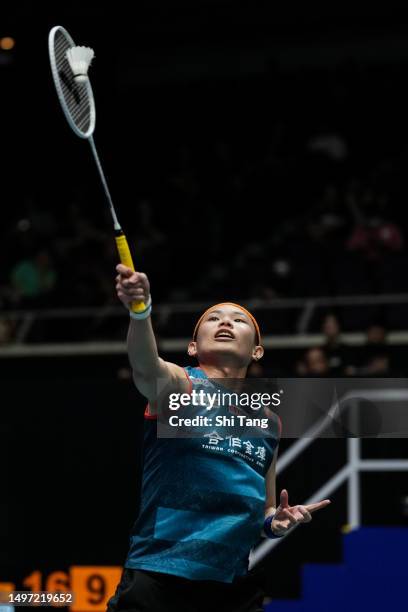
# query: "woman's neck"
[[219, 371]]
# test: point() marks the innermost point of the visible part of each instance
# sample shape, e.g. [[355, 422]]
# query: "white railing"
[[176, 345], [350, 472], [305, 305], [25, 319]]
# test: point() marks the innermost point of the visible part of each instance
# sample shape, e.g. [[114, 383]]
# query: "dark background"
[[206, 115]]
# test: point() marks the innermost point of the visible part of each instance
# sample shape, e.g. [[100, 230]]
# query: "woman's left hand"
[[286, 517]]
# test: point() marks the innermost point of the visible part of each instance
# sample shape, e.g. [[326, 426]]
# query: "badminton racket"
[[69, 67]]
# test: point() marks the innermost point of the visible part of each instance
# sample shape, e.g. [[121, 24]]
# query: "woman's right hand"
[[131, 286]]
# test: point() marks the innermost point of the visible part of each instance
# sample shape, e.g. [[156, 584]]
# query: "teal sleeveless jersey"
[[203, 503]]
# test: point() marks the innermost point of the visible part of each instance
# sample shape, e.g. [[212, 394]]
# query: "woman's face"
[[227, 331]]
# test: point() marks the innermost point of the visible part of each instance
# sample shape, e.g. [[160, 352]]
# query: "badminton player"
[[201, 511]]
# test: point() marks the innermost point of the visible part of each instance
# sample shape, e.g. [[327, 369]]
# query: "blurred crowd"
[[349, 240], [334, 357], [282, 205]]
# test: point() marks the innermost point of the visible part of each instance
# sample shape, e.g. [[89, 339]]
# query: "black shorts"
[[145, 591]]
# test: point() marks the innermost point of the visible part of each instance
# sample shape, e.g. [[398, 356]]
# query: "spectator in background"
[[376, 341], [314, 363], [34, 278], [374, 232], [375, 359], [256, 370], [336, 351], [7, 331], [328, 220]]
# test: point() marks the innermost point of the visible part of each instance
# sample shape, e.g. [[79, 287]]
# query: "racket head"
[[76, 99]]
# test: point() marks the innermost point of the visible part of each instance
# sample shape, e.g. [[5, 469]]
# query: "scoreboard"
[[91, 585]]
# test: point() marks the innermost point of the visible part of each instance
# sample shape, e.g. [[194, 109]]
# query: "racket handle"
[[126, 259]]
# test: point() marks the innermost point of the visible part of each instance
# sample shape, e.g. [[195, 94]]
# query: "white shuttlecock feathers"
[[79, 59]]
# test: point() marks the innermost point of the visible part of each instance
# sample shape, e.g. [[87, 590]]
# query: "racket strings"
[[75, 95]]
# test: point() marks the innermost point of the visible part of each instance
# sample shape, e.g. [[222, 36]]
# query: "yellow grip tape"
[[126, 259]]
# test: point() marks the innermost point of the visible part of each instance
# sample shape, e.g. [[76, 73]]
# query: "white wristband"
[[145, 313]]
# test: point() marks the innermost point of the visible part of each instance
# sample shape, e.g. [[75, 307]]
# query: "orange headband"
[[258, 333]]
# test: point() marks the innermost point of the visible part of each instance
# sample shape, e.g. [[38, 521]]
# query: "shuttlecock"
[[79, 59]]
